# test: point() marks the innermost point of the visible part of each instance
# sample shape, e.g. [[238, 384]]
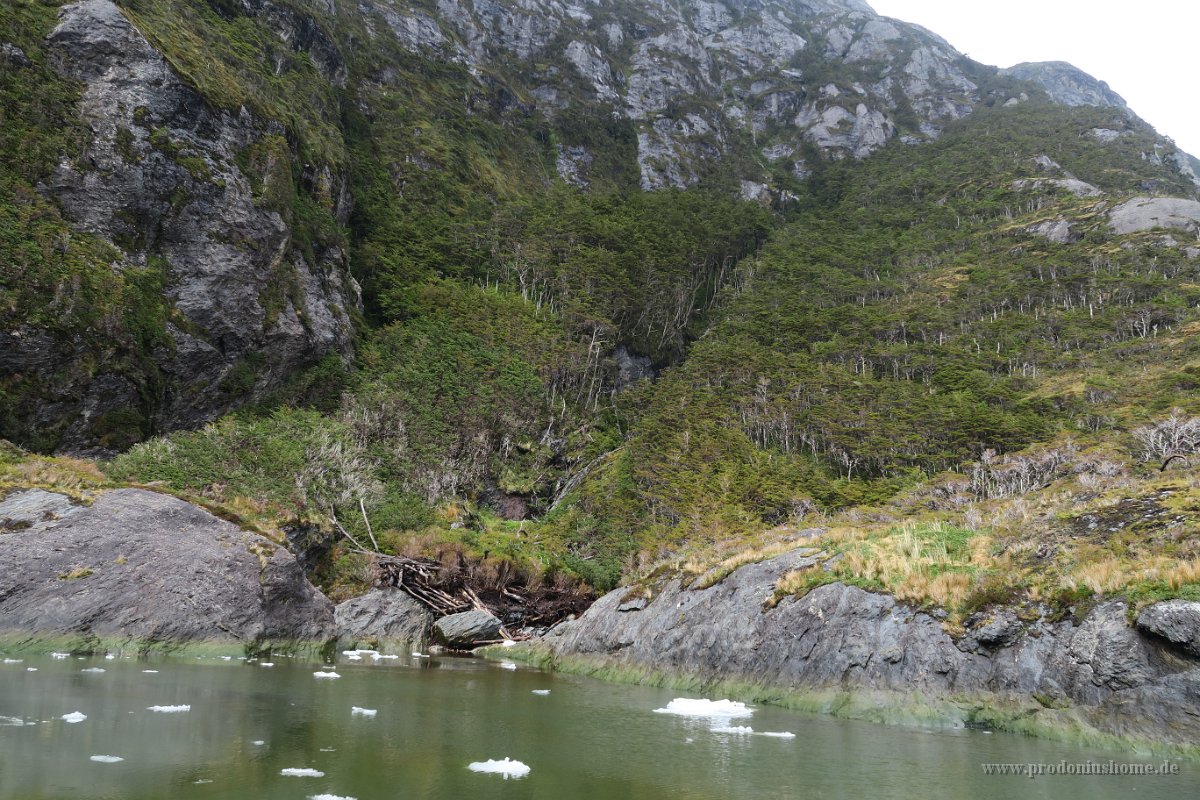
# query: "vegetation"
[[893, 353]]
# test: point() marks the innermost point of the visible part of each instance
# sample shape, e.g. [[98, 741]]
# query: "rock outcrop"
[[153, 572], [163, 180], [1101, 673], [1067, 84], [380, 617], [1148, 213]]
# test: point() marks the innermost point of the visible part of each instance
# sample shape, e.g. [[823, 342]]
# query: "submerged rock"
[[467, 630], [383, 615], [154, 569]]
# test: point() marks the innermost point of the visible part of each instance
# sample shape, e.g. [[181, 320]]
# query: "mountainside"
[[580, 291]]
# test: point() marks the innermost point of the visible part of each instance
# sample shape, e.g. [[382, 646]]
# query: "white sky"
[[1148, 51]]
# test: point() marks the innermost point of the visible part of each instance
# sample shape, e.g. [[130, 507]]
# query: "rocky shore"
[[839, 649]]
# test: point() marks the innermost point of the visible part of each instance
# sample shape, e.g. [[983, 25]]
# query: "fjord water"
[[585, 739]]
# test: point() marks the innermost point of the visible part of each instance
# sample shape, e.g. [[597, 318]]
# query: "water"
[[586, 739]]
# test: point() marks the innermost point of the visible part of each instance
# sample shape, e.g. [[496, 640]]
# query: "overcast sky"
[[1148, 51]]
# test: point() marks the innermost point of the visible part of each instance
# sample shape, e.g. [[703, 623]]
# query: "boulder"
[[1177, 621], [382, 616], [154, 572], [467, 630]]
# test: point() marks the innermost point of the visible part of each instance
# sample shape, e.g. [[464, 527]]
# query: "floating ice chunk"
[[31, 669], [60, 656], [779, 734], [711, 709], [201, 781], [542, 692], [109, 657], [363, 712], [12, 722], [301, 772], [320, 674], [74, 717], [107, 759], [258, 743], [353, 656], [360, 652], [419, 655], [329, 797], [14, 660], [93, 669], [384, 657], [266, 663], [150, 671], [508, 768], [740, 729], [168, 709], [507, 665], [328, 749]]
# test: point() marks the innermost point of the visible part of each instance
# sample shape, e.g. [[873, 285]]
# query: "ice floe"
[[739, 729], [363, 712], [107, 759], [60, 656], [509, 665], [301, 772], [31, 669], [542, 692], [320, 674], [329, 797], [109, 657], [13, 722], [74, 717], [168, 709], [266, 663], [709, 709], [419, 655], [508, 768], [384, 656], [779, 734], [93, 669], [14, 660], [150, 671], [258, 743]]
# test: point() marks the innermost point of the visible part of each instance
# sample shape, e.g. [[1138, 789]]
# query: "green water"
[[586, 739]]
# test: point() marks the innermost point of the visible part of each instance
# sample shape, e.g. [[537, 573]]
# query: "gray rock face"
[[1147, 213], [1177, 621], [845, 639], [382, 616], [1068, 84], [158, 572], [467, 630], [1056, 230], [160, 179], [34, 510]]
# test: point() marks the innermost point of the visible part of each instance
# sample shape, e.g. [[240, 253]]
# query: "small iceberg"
[[509, 665], [60, 656], [508, 768], [107, 759], [150, 671], [258, 743], [266, 663], [384, 656], [109, 657], [301, 772], [329, 675], [168, 709], [355, 711], [779, 734], [710, 709], [74, 717], [31, 669], [739, 729], [353, 656], [93, 669], [419, 655], [542, 692], [13, 722], [14, 660], [329, 797]]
